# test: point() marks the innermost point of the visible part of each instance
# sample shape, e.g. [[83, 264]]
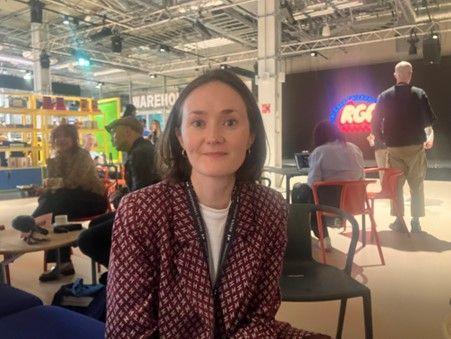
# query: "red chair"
[[389, 186], [353, 200]]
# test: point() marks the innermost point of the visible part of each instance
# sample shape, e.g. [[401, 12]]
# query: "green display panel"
[[111, 109]]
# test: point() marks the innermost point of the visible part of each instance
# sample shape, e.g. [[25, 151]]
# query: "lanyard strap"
[[201, 228]]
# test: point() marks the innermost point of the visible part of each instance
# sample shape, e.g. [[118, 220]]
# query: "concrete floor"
[[411, 293]]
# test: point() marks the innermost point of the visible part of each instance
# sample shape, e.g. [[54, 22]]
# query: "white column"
[[41, 76], [270, 77]]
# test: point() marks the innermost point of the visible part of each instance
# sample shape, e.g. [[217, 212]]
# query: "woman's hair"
[[65, 129], [325, 132], [157, 123], [175, 167]]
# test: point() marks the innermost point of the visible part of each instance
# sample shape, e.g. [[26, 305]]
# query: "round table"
[[12, 246]]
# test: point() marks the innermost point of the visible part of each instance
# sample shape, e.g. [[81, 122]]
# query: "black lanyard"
[[201, 228]]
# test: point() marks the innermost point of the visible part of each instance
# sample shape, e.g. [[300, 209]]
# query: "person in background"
[[208, 242], [146, 131], [333, 159], [140, 171], [403, 119], [72, 187], [155, 129], [89, 144]]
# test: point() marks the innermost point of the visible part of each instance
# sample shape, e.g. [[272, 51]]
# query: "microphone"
[[26, 224]]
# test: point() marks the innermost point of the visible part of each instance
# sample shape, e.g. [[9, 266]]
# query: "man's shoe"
[[396, 226], [415, 226], [52, 275]]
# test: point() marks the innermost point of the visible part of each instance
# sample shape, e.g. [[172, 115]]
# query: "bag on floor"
[[89, 300]]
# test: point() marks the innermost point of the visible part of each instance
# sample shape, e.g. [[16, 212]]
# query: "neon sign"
[[354, 113]]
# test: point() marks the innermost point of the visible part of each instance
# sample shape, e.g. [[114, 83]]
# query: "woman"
[[155, 129], [332, 159], [72, 188], [199, 255]]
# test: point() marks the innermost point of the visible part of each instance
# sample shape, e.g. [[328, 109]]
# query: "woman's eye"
[[197, 123], [231, 122]]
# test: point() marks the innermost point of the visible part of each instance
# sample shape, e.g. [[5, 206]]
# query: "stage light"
[[28, 76], [223, 66], [66, 20], [313, 54], [413, 40], [164, 48], [82, 59], [152, 76], [116, 43], [99, 85], [434, 36], [36, 11], [44, 59]]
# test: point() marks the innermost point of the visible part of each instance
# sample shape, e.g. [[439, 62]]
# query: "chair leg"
[[363, 230], [376, 236], [368, 316], [321, 235], [341, 318], [8, 275]]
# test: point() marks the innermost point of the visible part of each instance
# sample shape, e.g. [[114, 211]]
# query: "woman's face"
[[153, 126], [215, 131], [63, 142]]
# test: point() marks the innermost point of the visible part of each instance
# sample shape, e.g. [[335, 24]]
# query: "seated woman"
[[199, 255], [72, 188], [332, 159]]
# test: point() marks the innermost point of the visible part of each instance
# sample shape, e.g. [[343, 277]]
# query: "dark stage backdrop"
[[311, 97]]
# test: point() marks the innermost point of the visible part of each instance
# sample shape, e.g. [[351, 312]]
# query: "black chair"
[[304, 279]]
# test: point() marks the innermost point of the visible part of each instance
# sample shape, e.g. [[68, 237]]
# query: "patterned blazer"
[[159, 283]]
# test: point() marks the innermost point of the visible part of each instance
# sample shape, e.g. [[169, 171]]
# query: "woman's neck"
[[214, 192]]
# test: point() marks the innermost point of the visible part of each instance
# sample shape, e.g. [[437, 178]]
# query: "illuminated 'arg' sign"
[[354, 113]]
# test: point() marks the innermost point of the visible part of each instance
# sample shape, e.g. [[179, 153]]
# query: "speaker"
[[432, 51], [36, 11]]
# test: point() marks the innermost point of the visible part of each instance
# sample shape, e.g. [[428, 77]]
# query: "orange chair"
[[389, 187], [353, 200]]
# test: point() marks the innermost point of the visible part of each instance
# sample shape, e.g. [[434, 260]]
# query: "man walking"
[[403, 120]]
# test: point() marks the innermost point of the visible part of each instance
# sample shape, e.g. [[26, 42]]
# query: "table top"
[[286, 170], [11, 243]]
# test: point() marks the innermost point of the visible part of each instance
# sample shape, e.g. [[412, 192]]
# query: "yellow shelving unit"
[[37, 123]]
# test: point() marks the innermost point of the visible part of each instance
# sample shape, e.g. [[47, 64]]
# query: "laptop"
[[301, 159]]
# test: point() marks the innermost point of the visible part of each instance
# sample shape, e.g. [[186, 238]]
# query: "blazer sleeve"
[[261, 320], [133, 273]]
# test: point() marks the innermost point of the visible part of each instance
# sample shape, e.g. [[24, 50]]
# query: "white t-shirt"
[[215, 222]]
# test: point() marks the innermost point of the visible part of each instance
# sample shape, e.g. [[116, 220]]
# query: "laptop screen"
[[301, 159]]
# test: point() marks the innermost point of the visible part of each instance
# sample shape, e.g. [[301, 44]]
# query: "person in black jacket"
[[403, 119], [140, 171]]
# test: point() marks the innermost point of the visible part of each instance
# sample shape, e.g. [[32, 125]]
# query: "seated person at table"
[[140, 172], [333, 159], [200, 254], [72, 188]]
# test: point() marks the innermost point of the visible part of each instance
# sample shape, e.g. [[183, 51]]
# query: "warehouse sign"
[[354, 113], [155, 100]]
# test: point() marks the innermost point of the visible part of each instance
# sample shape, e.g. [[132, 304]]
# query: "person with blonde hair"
[[403, 119]]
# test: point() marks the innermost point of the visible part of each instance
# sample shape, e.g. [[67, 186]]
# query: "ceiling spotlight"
[[44, 59], [99, 85], [313, 54], [223, 66], [116, 43], [82, 59], [434, 36], [28, 76], [164, 49], [413, 40], [66, 20], [152, 76], [36, 7]]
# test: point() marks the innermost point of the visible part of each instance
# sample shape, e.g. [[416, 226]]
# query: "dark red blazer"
[[159, 282]]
